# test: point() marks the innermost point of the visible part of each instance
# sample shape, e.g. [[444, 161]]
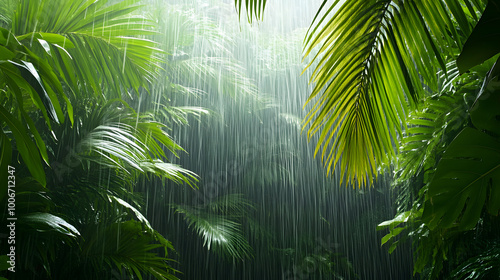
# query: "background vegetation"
[[163, 140]]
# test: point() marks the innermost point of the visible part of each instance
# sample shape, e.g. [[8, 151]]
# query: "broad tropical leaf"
[[48, 222], [484, 41], [484, 112], [467, 177]]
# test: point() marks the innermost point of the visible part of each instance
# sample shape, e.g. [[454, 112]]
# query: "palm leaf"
[[218, 231], [425, 133], [484, 41], [123, 140], [482, 266], [101, 34], [371, 61], [5, 158], [229, 204], [254, 8], [48, 222]]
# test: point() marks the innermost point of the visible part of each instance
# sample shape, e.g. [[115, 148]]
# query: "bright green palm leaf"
[[371, 60], [254, 8]]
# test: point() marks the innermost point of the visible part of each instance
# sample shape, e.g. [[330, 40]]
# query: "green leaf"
[[4, 265], [393, 233], [48, 222], [6, 54], [5, 160], [484, 113], [25, 146], [218, 232], [8, 40], [30, 74], [469, 169], [254, 8], [484, 41], [401, 218], [134, 210]]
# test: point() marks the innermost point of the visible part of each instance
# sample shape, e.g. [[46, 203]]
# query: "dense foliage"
[[100, 100]]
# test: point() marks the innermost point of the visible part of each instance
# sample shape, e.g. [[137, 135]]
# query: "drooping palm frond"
[[215, 224], [111, 49], [41, 231], [374, 61], [27, 89], [126, 246], [114, 136], [254, 8]]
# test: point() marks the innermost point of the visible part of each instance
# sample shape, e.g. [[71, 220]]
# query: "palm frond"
[[254, 8], [214, 223], [127, 246], [426, 132], [374, 59], [26, 147], [111, 48], [126, 141], [48, 222], [483, 266], [5, 158], [229, 205], [218, 233], [5, 12]]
